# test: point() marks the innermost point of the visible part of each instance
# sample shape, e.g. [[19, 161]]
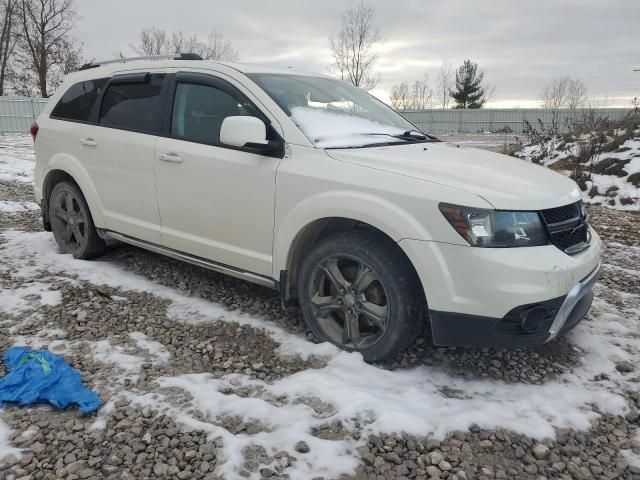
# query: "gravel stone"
[[540, 451], [302, 447]]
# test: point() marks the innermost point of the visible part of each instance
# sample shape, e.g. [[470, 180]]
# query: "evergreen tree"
[[469, 92]]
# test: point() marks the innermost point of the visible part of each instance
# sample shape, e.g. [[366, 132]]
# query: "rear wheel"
[[358, 292], [71, 222]]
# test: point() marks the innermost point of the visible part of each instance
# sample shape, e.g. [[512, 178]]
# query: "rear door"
[[71, 121], [120, 153], [216, 201]]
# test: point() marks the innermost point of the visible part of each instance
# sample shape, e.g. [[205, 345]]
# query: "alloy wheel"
[[349, 301], [68, 220]]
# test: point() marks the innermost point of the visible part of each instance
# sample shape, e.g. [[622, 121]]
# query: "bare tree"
[[415, 96], [7, 37], [421, 94], [155, 41], [354, 47], [444, 84], [564, 92], [45, 47], [489, 93], [181, 43], [576, 95], [214, 47], [554, 94], [399, 96]]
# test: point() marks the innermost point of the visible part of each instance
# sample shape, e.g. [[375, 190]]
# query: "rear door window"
[[78, 102], [134, 104]]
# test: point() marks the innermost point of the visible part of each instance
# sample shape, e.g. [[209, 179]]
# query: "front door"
[[215, 202]]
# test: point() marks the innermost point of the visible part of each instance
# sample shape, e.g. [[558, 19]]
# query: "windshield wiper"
[[420, 135], [414, 133], [409, 136]]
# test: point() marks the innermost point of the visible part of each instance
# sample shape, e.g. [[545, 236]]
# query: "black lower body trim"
[[524, 326]]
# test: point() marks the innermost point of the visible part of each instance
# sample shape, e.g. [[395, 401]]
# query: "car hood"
[[505, 182]]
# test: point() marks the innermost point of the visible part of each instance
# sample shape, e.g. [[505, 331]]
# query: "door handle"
[[88, 142], [171, 157]]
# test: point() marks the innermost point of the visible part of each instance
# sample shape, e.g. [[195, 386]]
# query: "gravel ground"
[[130, 438]]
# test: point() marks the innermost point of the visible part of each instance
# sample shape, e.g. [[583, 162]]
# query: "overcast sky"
[[519, 44]]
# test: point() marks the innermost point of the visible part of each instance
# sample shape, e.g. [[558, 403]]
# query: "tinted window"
[[134, 106], [198, 111], [79, 100]]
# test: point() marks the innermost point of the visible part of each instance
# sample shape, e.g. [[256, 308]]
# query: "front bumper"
[[524, 326], [482, 296]]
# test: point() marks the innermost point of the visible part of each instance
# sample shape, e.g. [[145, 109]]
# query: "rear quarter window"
[[79, 100], [134, 106]]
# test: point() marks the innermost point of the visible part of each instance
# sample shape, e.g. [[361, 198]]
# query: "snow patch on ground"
[[105, 352], [287, 425], [631, 457], [7, 206], [17, 159], [411, 401], [103, 414], [156, 349], [37, 252], [6, 448], [28, 297], [608, 187]]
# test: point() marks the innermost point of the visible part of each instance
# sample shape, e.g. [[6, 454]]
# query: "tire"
[[72, 224], [379, 310]]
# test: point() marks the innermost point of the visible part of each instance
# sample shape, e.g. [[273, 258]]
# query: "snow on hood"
[[507, 183], [330, 130]]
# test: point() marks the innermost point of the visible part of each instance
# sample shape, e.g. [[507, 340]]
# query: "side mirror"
[[241, 131]]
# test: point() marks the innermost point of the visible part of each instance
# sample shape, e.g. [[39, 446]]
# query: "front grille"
[[562, 214], [567, 227], [567, 239]]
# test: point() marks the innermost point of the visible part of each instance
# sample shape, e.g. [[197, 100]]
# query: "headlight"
[[495, 228]]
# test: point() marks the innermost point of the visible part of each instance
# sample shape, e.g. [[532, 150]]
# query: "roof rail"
[[175, 56]]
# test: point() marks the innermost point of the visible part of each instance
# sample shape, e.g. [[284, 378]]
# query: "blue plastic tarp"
[[37, 376]]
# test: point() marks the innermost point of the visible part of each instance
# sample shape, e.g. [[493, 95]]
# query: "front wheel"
[[359, 292]]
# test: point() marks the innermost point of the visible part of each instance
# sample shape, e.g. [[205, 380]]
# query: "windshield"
[[334, 114]]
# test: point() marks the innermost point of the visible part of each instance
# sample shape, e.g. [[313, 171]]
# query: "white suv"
[[313, 187]]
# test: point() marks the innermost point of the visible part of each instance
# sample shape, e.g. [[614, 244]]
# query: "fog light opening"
[[533, 319]]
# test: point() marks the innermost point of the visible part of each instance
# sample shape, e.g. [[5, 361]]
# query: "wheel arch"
[[63, 168], [320, 228]]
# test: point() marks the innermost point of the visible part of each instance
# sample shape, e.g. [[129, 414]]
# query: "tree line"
[[37, 48], [354, 49], [355, 53]]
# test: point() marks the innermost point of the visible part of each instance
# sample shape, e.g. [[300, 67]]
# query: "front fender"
[[72, 166], [380, 213]]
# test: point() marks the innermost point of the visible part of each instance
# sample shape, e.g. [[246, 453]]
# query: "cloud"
[[520, 45]]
